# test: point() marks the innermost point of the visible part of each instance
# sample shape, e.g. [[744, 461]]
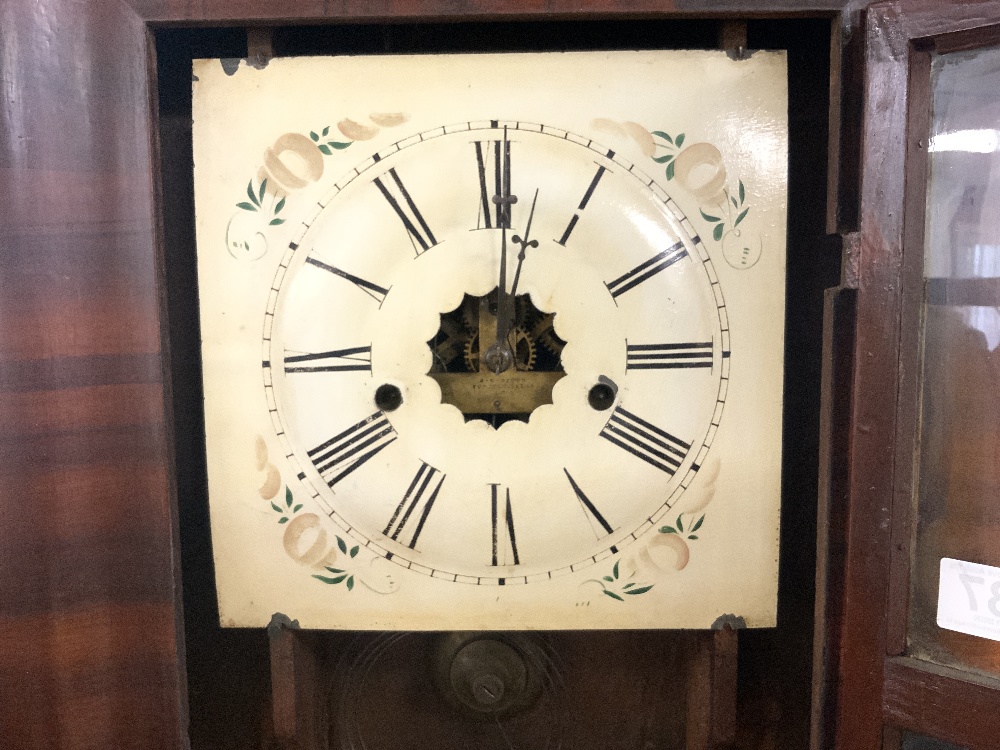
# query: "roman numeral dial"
[[502, 520], [695, 355], [411, 514], [398, 197], [358, 358], [645, 441], [647, 270], [349, 450]]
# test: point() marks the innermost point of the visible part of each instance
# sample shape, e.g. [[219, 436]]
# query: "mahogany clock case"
[[228, 669]]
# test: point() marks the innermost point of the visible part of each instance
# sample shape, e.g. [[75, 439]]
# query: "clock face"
[[441, 483], [493, 341]]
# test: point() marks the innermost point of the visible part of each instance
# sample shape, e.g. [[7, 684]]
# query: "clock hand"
[[499, 357], [525, 243]]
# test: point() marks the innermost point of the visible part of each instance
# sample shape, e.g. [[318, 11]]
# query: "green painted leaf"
[[335, 570], [253, 198], [614, 571], [350, 583], [670, 171], [663, 159], [288, 496], [629, 585], [326, 130], [663, 135], [354, 551], [277, 508], [613, 595], [297, 508], [283, 519], [275, 222], [668, 530], [735, 204], [326, 150], [741, 216], [339, 145], [314, 136], [640, 590], [698, 523], [246, 206], [692, 536], [609, 579], [680, 523], [263, 187], [324, 579], [679, 140], [717, 232], [342, 545], [279, 205], [743, 193], [709, 217], [246, 245]]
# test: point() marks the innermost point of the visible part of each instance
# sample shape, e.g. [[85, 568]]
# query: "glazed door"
[[923, 537]]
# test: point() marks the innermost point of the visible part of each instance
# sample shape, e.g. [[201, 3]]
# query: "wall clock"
[[493, 341]]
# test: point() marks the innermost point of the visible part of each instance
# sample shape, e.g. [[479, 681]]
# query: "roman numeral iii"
[[358, 358], [413, 221], [337, 457], [410, 515], [668, 356], [645, 440], [647, 269]]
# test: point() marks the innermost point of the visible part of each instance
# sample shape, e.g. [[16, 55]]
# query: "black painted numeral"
[[412, 511], [491, 158], [592, 513], [413, 221], [668, 356], [645, 440], [647, 269], [583, 203], [348, 451], [358, 358], [374, 291], [504, 539]]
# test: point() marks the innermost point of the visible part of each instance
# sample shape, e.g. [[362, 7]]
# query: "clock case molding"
[[102, 646]]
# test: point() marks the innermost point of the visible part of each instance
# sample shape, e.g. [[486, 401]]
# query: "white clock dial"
[[632, 397]]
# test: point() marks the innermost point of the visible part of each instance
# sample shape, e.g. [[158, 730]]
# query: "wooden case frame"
[[93, 652]]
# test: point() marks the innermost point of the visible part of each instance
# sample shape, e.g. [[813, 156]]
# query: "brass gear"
[[524, 348], [471, 350], [520, 342]]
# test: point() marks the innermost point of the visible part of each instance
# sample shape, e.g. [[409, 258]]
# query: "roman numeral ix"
[[348, 451], [646, 270], [668, 356], [413, 221], [374, 291], [357, 358], [412, 511], [645, 440]]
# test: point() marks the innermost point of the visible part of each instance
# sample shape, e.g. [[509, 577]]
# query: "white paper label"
[[969, 598]]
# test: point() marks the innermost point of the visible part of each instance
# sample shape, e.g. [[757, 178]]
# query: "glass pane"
[[959, 463], [919, 742]]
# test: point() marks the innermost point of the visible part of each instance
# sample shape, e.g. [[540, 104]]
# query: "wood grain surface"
[[88, 621]]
